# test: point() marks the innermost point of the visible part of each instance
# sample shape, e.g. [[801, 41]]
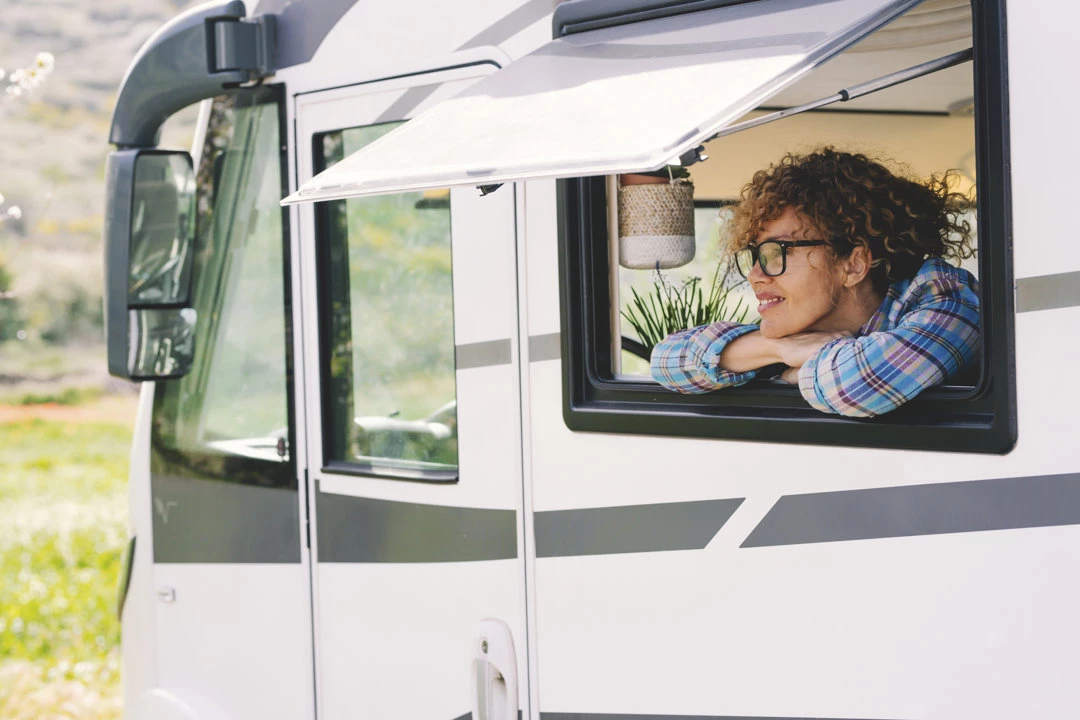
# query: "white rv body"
[[945, 590]]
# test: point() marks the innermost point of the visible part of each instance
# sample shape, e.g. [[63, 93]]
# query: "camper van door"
[[414, 428]]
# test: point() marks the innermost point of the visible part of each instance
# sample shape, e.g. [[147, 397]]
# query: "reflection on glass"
[[162, 229], [162, 343], [234, 400], [390, 388]]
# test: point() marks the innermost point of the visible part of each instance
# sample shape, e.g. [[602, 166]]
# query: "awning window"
[[619, 99]]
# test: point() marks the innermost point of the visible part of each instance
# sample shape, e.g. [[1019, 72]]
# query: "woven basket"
[[656, 225]]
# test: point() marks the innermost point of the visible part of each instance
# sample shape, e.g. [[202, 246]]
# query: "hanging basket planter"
[[656, 222]]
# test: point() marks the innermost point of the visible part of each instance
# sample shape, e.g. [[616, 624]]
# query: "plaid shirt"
[[925, 330]]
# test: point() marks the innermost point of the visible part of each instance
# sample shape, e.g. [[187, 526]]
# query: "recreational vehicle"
[[398, 453]]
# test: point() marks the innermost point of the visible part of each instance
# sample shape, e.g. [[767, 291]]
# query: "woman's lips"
[[764, 303]]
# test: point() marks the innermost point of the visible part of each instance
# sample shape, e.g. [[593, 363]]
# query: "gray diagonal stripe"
[[545, 347], [367, 530], [503, 29], [1048, 292], [409, 101], [956, 507], [631, 528], [302, 26], [510, 25], [482, 354]]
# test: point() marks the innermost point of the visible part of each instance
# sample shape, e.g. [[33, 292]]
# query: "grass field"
[[63, 509]]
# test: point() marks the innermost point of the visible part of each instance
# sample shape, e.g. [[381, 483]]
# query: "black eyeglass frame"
[[755, 254]]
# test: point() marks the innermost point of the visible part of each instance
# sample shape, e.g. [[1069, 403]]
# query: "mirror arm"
[[197, 55]]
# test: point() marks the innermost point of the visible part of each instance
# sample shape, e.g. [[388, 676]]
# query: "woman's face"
[[804, 297]]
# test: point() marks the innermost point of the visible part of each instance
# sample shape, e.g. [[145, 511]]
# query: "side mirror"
[[149, 246]]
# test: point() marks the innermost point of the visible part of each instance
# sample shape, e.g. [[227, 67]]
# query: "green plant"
[[668, 308]]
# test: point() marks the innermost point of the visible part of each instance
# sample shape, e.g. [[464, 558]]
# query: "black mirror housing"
[[149, 246]]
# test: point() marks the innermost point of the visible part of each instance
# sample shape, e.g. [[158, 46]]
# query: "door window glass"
[[388, 330], [234, 402]]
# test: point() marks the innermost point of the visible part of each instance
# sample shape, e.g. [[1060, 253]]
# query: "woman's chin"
[[771, 331]]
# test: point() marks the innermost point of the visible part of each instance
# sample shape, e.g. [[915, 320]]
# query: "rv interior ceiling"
[[923, 123], [934, 29]]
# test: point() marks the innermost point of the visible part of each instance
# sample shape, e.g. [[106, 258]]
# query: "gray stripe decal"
[[366, 530], [545, 347], [956, 507], [627, 716], [482, 354], [509, 26], [209, 521], [409, 101], [631, 528], [302, 26], [1048, 292], [503, 29]]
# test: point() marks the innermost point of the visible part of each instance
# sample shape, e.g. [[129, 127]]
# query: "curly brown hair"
[[852, 200]]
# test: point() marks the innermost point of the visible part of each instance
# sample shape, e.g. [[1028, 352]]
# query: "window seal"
[[947, 418]]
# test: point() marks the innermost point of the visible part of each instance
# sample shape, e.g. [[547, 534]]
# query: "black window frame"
[[978, 419]]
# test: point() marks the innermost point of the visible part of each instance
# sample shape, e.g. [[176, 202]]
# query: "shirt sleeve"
[[689, 361], [873, 374]]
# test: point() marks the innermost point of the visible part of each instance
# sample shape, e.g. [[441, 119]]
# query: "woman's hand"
[[795, 350], [749, 352], [754, 350]]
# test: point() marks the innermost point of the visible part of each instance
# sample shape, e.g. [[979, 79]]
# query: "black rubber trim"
[[125, 578], [586, 15]]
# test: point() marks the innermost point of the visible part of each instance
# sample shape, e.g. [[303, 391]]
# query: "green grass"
[[64, 396], [62, 530]]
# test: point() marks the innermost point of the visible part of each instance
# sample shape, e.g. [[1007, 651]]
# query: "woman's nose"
[[757, 274]]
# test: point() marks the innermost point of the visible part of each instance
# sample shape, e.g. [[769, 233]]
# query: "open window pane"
[[624, 98]]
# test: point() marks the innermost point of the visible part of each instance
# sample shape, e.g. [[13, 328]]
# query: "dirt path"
[[113, 409]]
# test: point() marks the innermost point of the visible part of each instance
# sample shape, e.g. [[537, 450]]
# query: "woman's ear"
[[857, 266]]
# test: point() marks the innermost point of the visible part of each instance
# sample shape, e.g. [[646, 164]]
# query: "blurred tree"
[[17, 84]]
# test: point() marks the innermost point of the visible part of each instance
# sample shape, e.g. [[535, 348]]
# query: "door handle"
[[494, 672]]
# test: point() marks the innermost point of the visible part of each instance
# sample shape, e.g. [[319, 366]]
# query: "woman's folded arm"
[[873, 374], [689, 361]]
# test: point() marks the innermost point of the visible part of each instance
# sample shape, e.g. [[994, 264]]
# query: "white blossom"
[[45, 62], [14, 212]]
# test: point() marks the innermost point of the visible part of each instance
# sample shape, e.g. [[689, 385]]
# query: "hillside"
[[53, 143]]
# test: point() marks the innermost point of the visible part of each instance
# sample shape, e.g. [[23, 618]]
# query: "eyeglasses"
[[771, 255]]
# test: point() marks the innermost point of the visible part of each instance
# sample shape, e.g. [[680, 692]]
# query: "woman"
[[847, 261]]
